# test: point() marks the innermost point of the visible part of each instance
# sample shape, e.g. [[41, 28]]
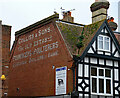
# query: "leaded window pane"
[[107, 73], [94, 85], [103, 42], [101, 85], [106, 43], [101, 72], [108, 86], [100, 42], [94, 71], [101, 80]]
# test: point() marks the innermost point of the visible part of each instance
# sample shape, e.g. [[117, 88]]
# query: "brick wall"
[[6, 37], [117, 35], [32, 59]]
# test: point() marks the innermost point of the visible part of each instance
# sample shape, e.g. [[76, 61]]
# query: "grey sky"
[[21, 13], [119, 16]]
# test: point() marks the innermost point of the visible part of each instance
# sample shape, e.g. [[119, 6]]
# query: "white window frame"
[[101, 77], [103, 36]]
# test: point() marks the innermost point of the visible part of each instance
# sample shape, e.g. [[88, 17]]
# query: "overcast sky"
[[21, 13]]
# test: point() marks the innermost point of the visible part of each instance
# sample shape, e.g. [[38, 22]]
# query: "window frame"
[[103, 36], [104, 78]]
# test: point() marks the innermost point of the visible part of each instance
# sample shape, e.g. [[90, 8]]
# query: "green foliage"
[[79, 44], [78, 37], [78, 55], [81, 37], [80, 40], [89, 29]]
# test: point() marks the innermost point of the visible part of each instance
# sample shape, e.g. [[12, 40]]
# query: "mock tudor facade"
[[59, 57], [97, 60], [98, 66]]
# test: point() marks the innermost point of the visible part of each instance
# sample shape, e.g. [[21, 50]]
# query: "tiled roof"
[[78, 37], [70, 33]]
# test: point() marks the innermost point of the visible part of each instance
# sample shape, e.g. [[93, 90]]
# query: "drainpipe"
[[74, 93], [73, 79]]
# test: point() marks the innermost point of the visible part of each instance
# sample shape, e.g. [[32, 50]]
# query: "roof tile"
[[72, 33]]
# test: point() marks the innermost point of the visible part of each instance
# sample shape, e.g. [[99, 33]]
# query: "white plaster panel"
[[102, 30], [90, 50], [100, 52], [116, 84], [106, 31], [93, 60], [86, 95], [86, 59], [79, 80], [116, 74], [116, 54], [80, 94], [109, 62], [116, 92], [80, 70], [113, 47], [79, 88], [86, 70], [101, 61], [86, 81], [87, 89], [116, 63], [94, 44], [107, 53]]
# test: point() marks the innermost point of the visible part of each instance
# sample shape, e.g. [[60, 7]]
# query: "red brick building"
[[55, 57], [5, 37], [38, 49]]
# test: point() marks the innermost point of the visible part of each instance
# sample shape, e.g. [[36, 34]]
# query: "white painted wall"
[[80, 69]]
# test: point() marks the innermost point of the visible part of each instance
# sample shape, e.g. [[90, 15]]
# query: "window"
[[103, 43], [101, 81]]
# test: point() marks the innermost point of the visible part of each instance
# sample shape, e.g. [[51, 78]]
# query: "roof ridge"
[[96, 22], [71, 23]]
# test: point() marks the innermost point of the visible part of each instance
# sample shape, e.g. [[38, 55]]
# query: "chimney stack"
[[112, 24], [99, 10], [67, 16]]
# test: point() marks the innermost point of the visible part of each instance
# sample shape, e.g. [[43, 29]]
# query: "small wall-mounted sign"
[[61, 75]]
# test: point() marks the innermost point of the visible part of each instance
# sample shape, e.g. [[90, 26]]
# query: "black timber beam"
[[103, 56]]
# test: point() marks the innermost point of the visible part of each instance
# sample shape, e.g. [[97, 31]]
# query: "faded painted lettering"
[[36, 45]]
